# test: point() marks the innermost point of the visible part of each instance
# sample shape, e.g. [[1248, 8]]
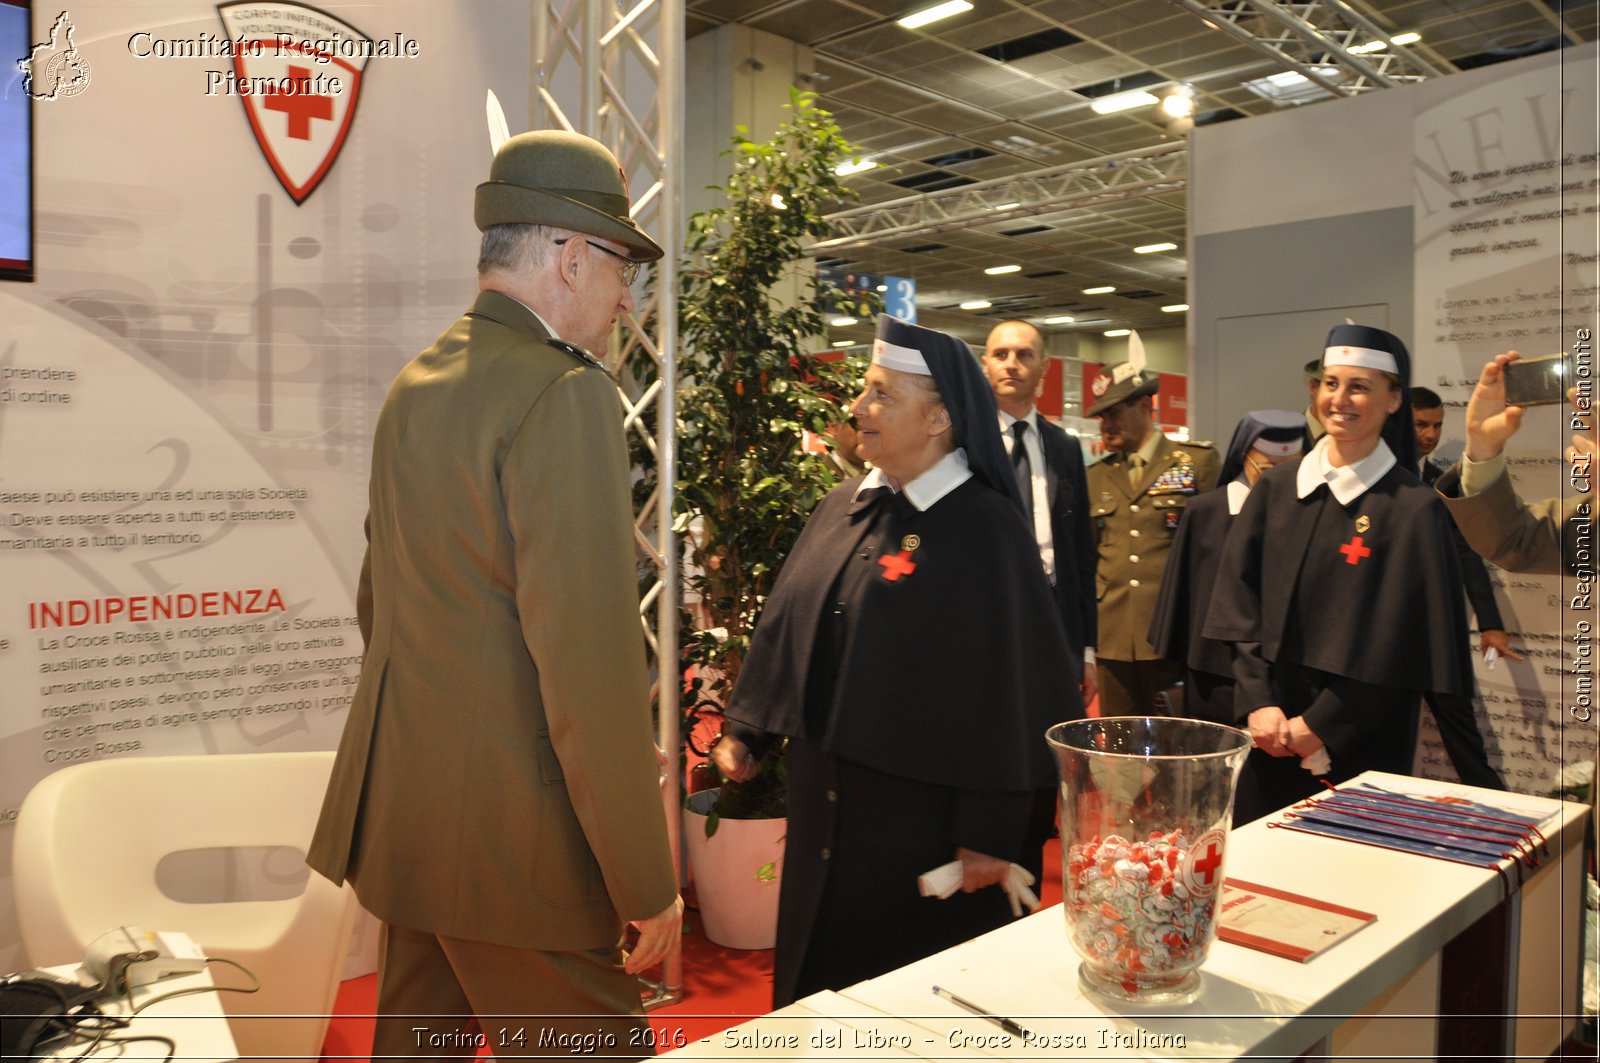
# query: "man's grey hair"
[[515, 246]]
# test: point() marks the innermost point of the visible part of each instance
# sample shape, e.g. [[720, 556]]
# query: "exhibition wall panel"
[[239, 244], [1265, 297]]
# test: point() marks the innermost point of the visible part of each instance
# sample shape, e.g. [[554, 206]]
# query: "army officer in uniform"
[[1137, 497]]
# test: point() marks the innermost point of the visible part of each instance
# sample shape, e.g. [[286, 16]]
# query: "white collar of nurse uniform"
[[947, 474], [1348, 482]]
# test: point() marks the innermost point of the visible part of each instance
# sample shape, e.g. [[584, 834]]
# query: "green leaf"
[[748, 390]]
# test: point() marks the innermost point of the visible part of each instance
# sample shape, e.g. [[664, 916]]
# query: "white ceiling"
[[930, 106]]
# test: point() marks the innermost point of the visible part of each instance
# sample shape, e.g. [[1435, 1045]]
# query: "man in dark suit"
[[496, 799], [1056, 491], [1049, 466], [1457, 726]]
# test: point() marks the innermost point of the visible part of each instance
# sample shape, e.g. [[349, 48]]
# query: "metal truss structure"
[[614, 71], [1096, 182], [1324, 41]]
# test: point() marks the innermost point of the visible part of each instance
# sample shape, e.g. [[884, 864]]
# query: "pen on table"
[[1008, 1025]]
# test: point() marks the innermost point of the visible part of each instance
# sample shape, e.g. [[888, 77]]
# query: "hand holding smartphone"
[[1538, 381]]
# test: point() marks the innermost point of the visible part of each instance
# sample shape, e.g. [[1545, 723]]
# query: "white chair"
[[88, 841]]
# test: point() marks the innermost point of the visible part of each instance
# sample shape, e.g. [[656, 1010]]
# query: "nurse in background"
[[1264, 438]]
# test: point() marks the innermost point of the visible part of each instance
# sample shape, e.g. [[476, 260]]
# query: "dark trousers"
[[441, 996], [1458, 728], [1129, 688]]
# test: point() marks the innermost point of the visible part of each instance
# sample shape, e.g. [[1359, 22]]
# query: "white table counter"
[[1379, 993]]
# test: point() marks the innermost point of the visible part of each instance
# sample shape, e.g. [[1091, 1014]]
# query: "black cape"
[[1395, 618], [1344, 627], [916, 708], [949, 674], [1179, 619]]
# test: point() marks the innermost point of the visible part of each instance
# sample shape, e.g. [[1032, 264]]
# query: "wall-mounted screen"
[[16, 145]]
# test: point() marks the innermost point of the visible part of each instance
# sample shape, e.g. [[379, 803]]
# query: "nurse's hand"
[[732, 758], [1269, 730], [1500, 642], [1302, 740], [980, 869]]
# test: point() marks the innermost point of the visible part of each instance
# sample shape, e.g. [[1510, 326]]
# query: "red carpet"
[[721, 987]]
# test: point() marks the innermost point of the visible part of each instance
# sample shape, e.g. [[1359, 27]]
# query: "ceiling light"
[[883, 287], [995, 271], [1179, 103], [976, 304], [1008, 206], [1405, 38], [1115, 332], [845, 169], [1063, 319], [1122, 101], [1150, 249], [843, 322], [1370, 46], [1175, 308], [1291, 87], [1104, 289], [934, 13]]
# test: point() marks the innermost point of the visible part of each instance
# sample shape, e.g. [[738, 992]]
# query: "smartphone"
[[1538, 381]]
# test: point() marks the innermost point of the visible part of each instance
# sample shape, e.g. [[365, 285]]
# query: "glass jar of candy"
[[1146, 803]]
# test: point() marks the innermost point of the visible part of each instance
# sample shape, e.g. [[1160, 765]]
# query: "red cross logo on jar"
[[1202, 871]]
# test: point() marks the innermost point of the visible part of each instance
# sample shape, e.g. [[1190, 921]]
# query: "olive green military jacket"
[[1134, 525], [1551, 535], [497, 778]]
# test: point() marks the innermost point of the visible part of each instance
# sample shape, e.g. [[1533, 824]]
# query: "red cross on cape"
[[897, 565], [1355, 550]]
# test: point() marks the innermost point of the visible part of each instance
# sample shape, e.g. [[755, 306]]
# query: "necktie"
[[1135, 469], [1024, 467]]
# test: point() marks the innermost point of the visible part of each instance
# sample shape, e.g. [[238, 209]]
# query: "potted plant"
[[750, 311]]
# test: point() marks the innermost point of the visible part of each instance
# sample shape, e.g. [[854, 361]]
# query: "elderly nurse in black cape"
[[912, 652], [1340, 590]]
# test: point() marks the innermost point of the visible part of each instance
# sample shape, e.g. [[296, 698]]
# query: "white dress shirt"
[[1039, 488]]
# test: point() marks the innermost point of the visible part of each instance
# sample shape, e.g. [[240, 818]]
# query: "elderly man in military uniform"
[[495, 799], [1137, 497]]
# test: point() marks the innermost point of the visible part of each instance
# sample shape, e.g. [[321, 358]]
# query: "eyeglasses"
[[630, 268]]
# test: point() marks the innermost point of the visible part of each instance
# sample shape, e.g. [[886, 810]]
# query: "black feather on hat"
[[1364, 345], [965, 392]]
